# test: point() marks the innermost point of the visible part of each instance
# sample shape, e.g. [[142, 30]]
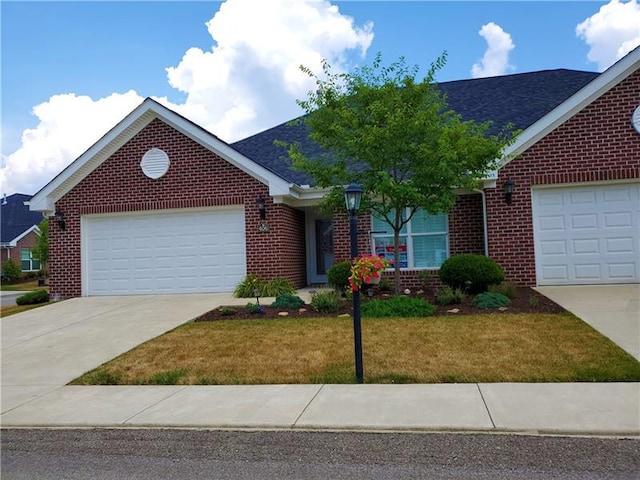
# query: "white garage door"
[[587, 235], [169, 252]]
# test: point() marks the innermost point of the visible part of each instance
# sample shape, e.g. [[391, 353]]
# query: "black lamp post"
[[352, 197]]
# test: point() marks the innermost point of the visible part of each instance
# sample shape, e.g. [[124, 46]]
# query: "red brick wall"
[[597, 144], [196, 178]]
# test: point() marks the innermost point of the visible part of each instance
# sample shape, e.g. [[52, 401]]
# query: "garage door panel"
[[587, 234], [164, 252]]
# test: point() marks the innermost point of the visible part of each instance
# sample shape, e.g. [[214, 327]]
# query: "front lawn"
[[487, 348]]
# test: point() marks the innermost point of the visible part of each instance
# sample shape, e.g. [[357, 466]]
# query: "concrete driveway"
[[613, 310], [49, 346]]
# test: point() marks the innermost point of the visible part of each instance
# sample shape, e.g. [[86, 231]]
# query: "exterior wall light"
[[262, 209], [508, 187], [58, 217]]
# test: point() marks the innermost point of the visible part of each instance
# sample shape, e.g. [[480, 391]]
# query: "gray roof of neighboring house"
[[518, 99], [15, 217]]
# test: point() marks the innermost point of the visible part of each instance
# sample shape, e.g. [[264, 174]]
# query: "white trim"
[[120, 134], [574, 104]]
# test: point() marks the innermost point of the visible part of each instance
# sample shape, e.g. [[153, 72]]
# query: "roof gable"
[[588, 94], [16, 220], [125, 130]]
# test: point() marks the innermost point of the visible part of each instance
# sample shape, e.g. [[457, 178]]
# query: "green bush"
[[398, 306], [470, 272], [226, 311], [276, 287], [448, 296], [288, 301], [327, 301], [250, 286], [491, 300], [385, 285], [506, 289], [255, 308], [11, 270], [34, 297], [338, 275]]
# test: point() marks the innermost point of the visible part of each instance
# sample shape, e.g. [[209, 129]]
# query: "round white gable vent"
[[155, 163]]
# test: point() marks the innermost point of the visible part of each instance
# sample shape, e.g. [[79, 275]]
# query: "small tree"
[[11, 270], [41, 250], [397, 138]]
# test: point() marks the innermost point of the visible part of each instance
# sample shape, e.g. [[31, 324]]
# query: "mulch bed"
[[522, 303]]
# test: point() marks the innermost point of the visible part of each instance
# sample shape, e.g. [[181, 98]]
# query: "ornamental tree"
[[394, 135]]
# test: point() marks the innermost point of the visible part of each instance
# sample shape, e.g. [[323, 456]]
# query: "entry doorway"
[[320, 254]]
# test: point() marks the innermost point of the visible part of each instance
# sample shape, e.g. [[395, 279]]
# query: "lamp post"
[[352, 197]]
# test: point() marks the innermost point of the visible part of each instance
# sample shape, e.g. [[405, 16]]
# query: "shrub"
[[288, 301], [255, 308], [384, 285], [506, 289], [471, 272], [398, 306], [250, 286], [447, 296], [276, 287], [34, 297], [225, 311], [326, 301], [491, 300], [11, 270], [338, 275]]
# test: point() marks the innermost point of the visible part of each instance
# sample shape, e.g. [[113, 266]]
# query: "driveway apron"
[[47, 347]]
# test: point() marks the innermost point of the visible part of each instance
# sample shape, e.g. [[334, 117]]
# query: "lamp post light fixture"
[[352, 197]]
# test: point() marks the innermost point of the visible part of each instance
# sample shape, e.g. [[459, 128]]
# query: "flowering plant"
[[365, 269]]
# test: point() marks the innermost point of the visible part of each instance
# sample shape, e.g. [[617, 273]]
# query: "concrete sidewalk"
[[585, 409], [45, 348]]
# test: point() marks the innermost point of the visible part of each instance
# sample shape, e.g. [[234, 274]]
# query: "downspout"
[[484, 220]]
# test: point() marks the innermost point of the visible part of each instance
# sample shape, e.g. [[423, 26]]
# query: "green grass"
[[28, 285], [5, 311], [467, 349]]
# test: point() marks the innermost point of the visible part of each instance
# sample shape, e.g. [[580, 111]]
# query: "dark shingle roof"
[[518, 99], [15, 217]]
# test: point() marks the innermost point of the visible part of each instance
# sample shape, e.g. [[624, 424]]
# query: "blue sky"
[[87, 64]]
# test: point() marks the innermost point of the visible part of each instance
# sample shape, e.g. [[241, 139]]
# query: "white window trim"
[[409, 237]]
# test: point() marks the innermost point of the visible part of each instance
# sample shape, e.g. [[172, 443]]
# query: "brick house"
[[160, 205], [19, 231]]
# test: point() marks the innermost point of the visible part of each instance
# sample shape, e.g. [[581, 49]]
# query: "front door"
[[320, 248]]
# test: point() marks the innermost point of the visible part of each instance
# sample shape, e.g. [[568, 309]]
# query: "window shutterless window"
[[424, 241], [28, 264]]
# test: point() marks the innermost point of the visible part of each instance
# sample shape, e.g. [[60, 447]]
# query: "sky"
[[70, 71]]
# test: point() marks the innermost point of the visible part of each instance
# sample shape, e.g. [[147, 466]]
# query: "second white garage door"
[[587, 234], [189, 251]]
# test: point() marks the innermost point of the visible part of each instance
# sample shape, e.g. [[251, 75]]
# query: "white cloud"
[[496, 58], [612, 32], [247, 82]]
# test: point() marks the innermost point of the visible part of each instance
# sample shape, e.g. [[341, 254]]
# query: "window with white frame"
[[29, 264], [424, 241]]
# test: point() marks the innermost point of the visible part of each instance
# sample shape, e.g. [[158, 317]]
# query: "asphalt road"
[[9, 298], [196, 454]]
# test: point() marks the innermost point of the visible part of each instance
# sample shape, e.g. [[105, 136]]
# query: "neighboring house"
[[160, 205], [19, 231]]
